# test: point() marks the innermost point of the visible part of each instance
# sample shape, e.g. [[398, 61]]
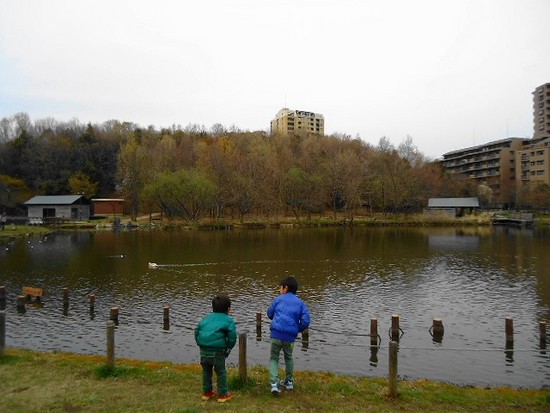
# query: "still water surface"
[[471, 278]]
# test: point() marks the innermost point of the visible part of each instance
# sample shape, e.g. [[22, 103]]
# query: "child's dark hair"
[[291, 283], [221, 304]]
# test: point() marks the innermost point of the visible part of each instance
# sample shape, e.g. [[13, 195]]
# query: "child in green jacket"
[[216, 335]]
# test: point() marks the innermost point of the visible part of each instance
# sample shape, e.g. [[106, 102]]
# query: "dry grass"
[[61, 382]]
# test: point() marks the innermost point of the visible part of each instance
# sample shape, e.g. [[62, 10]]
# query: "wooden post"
[[2, 332], [437, 330], [65, 296], [509, 329], [166, 318], [395, 327], [374, 332], [111, 344], [114, 315], [305, 338], [242, 358], [393, 369], [2, 297], [542, 329], [92, 306], [509, 326], [258, 325], [21, 300]]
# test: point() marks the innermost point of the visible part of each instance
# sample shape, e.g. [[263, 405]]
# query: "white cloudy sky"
[[448, 73]]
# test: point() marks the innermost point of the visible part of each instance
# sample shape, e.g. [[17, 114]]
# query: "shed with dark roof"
[[70, 207], [453, 206]]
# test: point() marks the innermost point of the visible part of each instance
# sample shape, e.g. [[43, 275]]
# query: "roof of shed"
[[54, 199], [453, 203]]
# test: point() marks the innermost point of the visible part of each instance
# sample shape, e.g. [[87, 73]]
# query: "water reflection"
[[470, 278]]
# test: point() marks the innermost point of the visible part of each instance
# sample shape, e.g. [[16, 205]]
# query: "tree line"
[[193, 172]]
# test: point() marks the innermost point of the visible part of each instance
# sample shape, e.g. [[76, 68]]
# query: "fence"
[[394, 333]]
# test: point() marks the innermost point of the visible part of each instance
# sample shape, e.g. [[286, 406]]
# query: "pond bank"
[[64, 382]]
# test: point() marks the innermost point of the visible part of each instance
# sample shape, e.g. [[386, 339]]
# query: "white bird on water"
[[153, 265]]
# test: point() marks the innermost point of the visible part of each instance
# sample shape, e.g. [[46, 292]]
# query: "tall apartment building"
[[511, 167], [534, 166], [297, 122], [541, 111], [492, 164]]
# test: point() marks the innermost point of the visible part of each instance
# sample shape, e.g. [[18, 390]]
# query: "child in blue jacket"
[[290, 316], [216, 335]]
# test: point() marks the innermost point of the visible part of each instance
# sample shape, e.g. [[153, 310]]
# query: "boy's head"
[[290, 283], [221, 304]]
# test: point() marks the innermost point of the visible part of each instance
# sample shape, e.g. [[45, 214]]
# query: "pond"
[[471, 278]]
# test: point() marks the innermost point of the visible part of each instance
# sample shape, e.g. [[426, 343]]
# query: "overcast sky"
[[448, 73]]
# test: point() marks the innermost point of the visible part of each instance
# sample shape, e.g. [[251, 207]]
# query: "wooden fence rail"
[[395, 333]]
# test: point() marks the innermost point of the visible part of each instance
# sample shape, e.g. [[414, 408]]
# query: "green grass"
[[64, 382], [22, 230]]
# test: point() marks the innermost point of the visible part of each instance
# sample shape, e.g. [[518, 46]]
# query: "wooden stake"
[[114, 315], [393, 369], [65, 296], [166, 317], [111, 344], [437, 330], [374, 332], [509, 329], [258, 325], [395, 327], [2, 333], [242, 358], [21, 300]]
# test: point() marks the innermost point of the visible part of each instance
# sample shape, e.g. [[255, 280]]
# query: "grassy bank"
[[62, 382], [253, 222]]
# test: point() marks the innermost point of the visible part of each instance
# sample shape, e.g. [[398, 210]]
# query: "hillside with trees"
[[194, 172]]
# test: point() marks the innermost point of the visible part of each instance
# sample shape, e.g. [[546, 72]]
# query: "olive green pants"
[[214, 362], [288, 348]]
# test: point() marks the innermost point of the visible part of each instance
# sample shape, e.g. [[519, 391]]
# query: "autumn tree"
[[80, 183], [184, 193]]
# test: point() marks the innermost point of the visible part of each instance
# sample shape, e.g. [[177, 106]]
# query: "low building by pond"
[[108, 206], [455, 207], [63, 207]]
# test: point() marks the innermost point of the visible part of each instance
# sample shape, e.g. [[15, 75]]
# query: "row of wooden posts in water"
[[242, 346], [395, 332]]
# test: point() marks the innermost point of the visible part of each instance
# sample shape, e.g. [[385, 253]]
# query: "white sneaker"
[[287, 384], [275, 389]]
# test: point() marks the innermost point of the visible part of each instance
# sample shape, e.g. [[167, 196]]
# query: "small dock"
[[516, 219]]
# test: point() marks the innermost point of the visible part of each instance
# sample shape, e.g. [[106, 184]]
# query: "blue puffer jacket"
[[290, 316]]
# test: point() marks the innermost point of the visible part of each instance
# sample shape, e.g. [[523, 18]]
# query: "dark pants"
[[214, 362]]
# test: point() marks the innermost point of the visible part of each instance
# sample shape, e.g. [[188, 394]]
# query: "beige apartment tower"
[[541, 112], [297, 122], [492, 164]]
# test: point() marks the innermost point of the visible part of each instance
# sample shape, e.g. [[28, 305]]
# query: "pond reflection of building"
[[454, 242]]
